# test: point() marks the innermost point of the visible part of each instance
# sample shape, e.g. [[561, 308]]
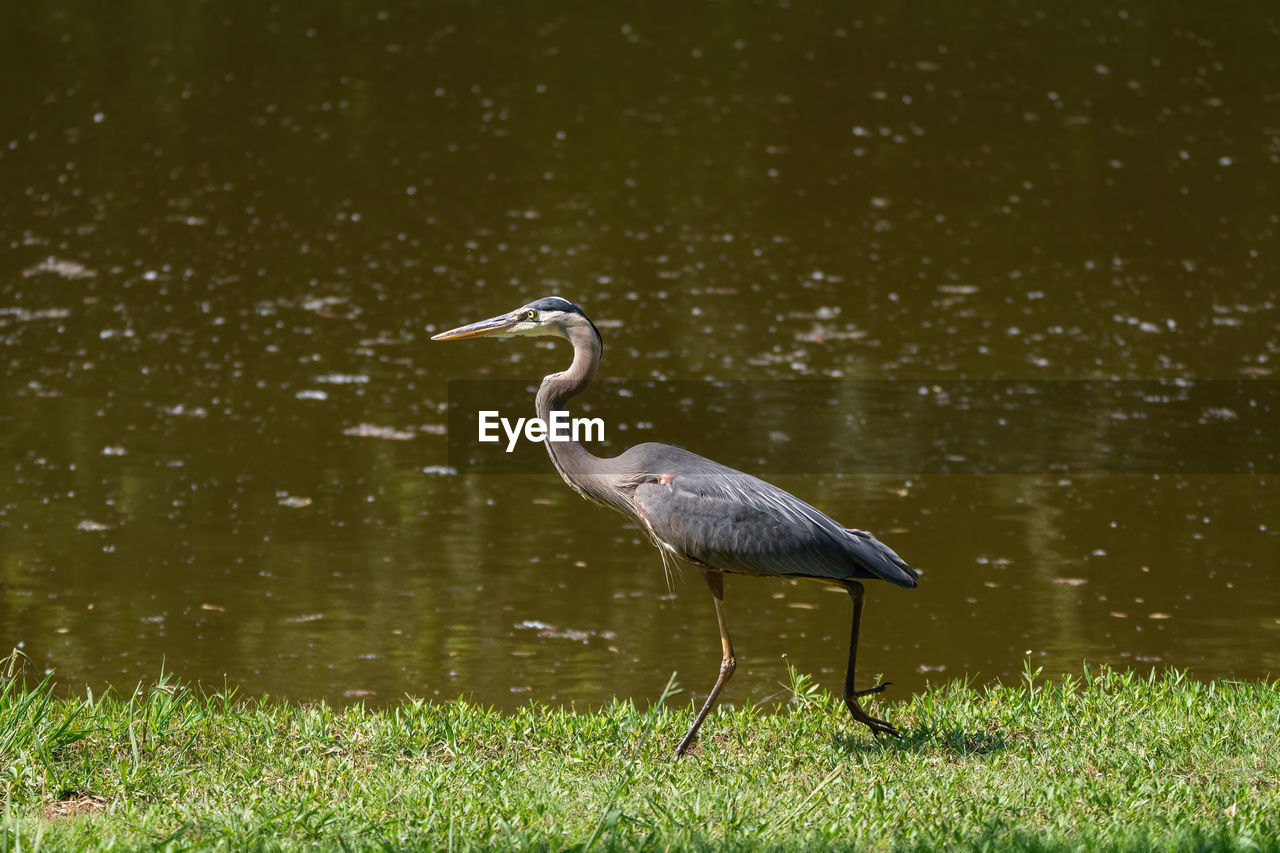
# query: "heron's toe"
[[879, 688], [877, 726]]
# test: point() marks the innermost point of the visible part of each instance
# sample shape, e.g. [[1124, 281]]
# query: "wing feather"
[[738, 523]]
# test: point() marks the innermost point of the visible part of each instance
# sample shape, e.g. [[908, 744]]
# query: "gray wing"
[[738, 523]]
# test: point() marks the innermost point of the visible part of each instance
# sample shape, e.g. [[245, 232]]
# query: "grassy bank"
[[1106, 759]]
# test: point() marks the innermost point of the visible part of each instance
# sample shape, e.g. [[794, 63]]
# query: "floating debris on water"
[[1218, 414], [184, 411], [24, 315], [551, 631], [57, 266], [343, 378], [375, 431]]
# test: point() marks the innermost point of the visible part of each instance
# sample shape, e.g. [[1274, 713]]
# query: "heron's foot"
[[877, 689], [876, 725]]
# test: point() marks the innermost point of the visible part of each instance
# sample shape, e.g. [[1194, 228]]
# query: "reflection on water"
[[231, 230]]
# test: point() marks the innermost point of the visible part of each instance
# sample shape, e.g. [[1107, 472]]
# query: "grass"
[[1105, 760]]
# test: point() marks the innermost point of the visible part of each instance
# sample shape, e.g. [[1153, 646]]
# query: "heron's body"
[[716, 516], [713, 516]]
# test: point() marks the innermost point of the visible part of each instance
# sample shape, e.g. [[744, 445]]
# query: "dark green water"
[[230, 230]]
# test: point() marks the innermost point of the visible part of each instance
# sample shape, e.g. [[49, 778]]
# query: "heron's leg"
[[877, 726], [715, 582]]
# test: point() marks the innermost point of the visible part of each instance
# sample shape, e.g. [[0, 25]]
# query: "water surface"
[[231, 231]]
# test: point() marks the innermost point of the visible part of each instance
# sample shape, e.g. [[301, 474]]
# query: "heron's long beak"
[[492, 326]]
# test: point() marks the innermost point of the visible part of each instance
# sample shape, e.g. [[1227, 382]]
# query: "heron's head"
[[551, 316]]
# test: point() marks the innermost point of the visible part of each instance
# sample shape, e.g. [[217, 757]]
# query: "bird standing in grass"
[[715, 517]]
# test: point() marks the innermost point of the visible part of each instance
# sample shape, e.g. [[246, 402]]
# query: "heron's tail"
[[879, 559]]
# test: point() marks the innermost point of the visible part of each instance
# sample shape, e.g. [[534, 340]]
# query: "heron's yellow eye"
[[531, 314]]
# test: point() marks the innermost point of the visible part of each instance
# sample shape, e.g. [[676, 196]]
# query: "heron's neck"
[[574, 462]]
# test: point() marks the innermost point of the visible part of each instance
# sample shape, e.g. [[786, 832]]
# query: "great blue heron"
[[717, 518]]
